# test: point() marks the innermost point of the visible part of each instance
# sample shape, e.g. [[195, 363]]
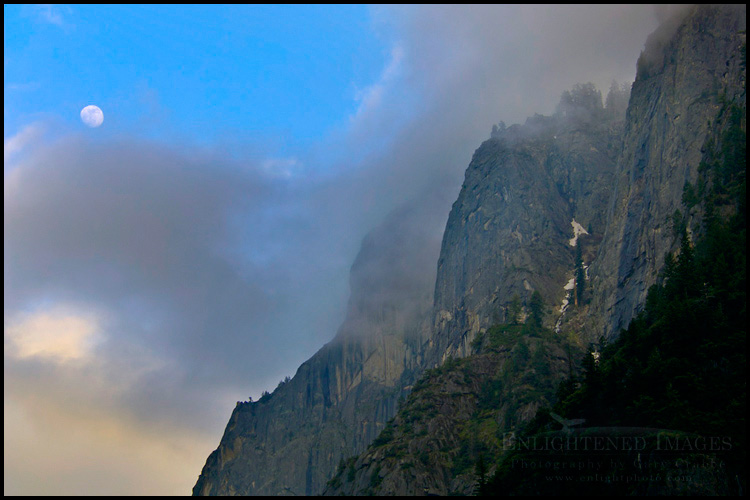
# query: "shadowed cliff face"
[[685, 72], [291, 441]]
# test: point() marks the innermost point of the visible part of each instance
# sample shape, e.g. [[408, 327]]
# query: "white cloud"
[[59, 335], [16, 143], [370, 98]]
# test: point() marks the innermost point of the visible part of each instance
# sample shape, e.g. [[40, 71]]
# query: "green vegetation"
[[580, 275], [481, 472], [375, 478], [674, 379], [516, 368], [514, 310], [350, 470], [385, 436], [504, 336], [536, 308], [679, 369]]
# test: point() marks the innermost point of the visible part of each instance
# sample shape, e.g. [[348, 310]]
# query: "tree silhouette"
[[536, 309], [580, 277]]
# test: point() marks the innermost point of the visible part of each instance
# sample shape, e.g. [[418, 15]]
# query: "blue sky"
[[287, 74], [195, 248]]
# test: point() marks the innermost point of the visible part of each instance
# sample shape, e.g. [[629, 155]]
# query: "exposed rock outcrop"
[[464, 409], [510, 230], [290, 441], [522, 184], [691, 64], [527, 192]]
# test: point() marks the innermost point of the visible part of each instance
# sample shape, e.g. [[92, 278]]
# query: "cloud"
[[16, 143], [371, 97], [461, 69], [514, 61], [58, 334], [133, 316], [193, 262], [205, 279], [138, 228]]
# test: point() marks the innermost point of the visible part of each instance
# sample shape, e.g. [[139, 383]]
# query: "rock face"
[[529, 190], [509, 231], [452, 416], [290, 441], [303, 428], [690, 65]]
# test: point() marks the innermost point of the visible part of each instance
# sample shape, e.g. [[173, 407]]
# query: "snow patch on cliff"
[[577, 231], [565, 302], [570, 285]]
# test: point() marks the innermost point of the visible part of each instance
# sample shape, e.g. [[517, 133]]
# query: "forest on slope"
[[674, 381], [660, 410]]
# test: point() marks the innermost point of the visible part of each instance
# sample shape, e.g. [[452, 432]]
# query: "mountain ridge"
[[508, 234]]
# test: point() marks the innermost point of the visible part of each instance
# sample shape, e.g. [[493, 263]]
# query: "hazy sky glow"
[[195, 248]]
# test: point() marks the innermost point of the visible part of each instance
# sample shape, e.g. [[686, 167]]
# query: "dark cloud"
[[149, 237]]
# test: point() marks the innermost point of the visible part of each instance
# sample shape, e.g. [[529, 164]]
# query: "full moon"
[[92, 116]]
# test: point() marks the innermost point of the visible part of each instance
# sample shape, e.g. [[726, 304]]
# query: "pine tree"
[[536, 309], [481, 471], [580, 277]]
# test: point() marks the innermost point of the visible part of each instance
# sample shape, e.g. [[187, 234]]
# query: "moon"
[[92, 116]]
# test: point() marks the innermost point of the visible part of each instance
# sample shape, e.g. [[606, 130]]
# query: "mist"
[[190, 278]]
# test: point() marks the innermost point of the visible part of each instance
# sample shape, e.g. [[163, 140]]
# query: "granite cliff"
[[458, 412], [590, 178], [691, 66], [528, 191], [510, 232], [290, 441]]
